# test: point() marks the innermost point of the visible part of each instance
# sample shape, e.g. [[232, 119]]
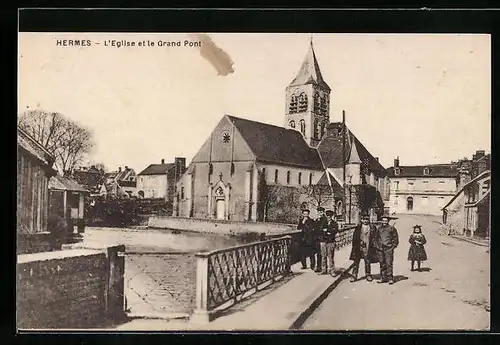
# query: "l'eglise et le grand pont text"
[[127, 43]]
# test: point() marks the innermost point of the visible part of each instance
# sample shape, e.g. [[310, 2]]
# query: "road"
[[453, 293]]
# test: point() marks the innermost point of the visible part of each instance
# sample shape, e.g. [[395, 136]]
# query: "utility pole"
[[343, 163]]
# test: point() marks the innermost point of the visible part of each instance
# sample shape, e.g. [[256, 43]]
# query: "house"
[[121, 183], [468, 213], [34, 169], [90, 178], [223, 180], [421, 189], [67, 200], [158, 180]]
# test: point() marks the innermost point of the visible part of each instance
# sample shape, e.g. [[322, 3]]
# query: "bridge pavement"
[[452, 294]]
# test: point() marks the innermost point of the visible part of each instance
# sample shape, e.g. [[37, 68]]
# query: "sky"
[[424, 98]]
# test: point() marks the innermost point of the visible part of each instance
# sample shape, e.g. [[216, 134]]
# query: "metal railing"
[[228, 274]]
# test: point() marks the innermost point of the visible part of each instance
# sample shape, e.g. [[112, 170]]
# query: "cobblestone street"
[[451, 293]]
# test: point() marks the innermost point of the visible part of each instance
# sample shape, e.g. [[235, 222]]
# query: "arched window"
[[276, 176], [323, 129], [310, 178], [292, 124], [409, 203], [300, 178], [426, 171], [302, 102], [317, 103], [324, 105], [317, 129], [288, 177], [303, 127], [293, 104]]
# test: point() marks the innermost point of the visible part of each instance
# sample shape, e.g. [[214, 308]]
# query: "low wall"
[[222, 227], [74, 288]]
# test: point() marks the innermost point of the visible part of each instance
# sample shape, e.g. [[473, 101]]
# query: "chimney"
[[119, 169], [180, 165], [162, 161], [376, 158], [126, 167], [396, 162], [479, 154]]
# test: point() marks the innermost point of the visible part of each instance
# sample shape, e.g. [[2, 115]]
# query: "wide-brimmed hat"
[[365, 216], [417, 226], [329, 213], [320, 209], [306, 210], [388, 216]]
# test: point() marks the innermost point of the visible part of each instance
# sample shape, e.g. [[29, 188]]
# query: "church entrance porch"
[[220, 209], [218, 200]]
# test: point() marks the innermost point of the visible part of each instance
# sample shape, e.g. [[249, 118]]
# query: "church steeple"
[[309, 72], [308, 100]]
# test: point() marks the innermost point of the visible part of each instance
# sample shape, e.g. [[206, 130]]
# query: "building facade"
[[225, 178], [158, 180], [34, 169], [421, 189], [121, 183]]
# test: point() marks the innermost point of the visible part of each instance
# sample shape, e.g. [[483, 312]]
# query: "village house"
[[121, 183], [67, 200], [158, 180], [421, 189], [468, 213], [224, 179], [90, 178], [34, 169]]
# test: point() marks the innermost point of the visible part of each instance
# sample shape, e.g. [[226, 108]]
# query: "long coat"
[[308, 232], [356, 252]]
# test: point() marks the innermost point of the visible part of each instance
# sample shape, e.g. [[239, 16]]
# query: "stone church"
[[224, 179]]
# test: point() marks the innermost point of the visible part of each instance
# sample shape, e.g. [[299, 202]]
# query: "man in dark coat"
[[320, 225], [363, 247], [327, 244], [306, 225], [386, 240]]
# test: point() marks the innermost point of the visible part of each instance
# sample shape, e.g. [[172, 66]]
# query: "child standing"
[[417, 251]]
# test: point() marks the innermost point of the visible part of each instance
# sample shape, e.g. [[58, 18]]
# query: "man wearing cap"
[[386, 240], [362, 247], [306, 225], [320, 225], [327, 244]]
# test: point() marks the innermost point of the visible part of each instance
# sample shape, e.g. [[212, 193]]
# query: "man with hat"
[[327, 244], [386, 240], [320, 225], [306, 225], [362, 247]]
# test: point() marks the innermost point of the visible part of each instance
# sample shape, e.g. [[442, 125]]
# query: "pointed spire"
[[354, 156], [309, 72]]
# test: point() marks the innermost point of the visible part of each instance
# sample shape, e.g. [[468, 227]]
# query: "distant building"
[[421, 189], [225, 178], [468, 213], [90, 178], [34, 169], [158, 180], [121, 183]]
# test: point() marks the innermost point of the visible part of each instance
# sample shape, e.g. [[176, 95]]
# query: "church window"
[[300, 178], [276, 176], [426, 171], [302, 102], [303, 127], [226, 137], [317, 129], [317, 103], [310, 178], [292, 124], [323, 128], [182, 192], [324, 106], [293, 104], [288, 177]]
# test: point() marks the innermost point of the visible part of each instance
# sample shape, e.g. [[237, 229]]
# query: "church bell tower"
[[308, 101]]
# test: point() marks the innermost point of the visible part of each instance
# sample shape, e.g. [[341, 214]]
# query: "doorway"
[[409, 204], [220, 208]]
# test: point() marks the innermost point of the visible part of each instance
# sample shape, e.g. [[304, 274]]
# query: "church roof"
[[354, 156], [274, 144], [330, 149], [157, 169], [309, 72]]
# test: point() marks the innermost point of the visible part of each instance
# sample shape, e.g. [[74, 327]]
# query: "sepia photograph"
[[253, 181]]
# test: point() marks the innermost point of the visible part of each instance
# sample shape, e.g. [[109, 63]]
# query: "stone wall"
[[76, 288], [217, 226]]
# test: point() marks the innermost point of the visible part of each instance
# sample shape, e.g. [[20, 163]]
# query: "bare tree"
[[65, 139], [317, 195]]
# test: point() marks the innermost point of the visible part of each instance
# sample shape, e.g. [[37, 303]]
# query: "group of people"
[[370, 243]]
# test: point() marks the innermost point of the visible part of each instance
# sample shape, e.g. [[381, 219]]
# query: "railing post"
[[201, 314]]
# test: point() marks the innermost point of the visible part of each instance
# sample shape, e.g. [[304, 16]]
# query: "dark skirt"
[[417, 253]]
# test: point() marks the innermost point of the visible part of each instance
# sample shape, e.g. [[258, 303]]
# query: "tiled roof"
[[330, 149], [435, 170], [309, 72], [157, 169], [273, 144], [126, 183], [58, 182]]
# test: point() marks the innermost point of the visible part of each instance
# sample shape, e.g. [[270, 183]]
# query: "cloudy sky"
[[424, 98]]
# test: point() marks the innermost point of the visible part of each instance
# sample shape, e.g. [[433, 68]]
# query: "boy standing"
[[327, 244]]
